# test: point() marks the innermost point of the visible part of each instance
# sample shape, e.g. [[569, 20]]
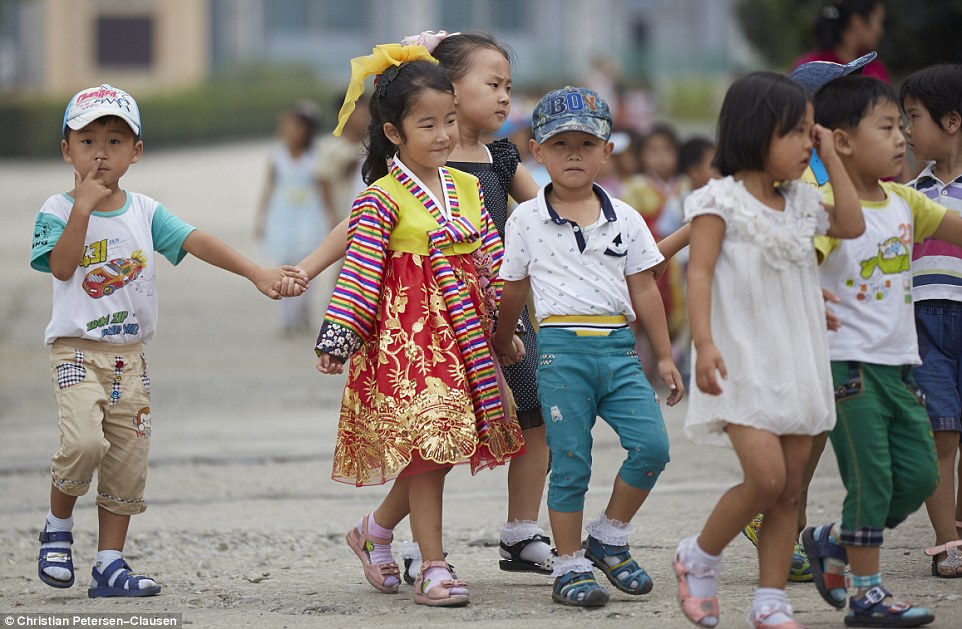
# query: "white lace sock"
[[520, 530], [61, 526]]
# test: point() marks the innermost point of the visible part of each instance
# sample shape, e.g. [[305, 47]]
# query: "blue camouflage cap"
[[571, 109], [815, 74]]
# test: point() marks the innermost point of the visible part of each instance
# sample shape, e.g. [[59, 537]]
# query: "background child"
[[757, 321], [883, 439], [290, 216], [98, 242], [586, 256], [412, 310], [932, 100]]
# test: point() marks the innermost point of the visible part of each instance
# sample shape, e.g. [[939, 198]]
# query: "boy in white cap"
[[98, 241]]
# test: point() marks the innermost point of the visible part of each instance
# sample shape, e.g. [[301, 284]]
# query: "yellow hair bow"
[[381, 58]]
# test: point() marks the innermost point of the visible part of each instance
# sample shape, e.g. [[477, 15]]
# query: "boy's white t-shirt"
[[872, 274], [567, 280], [112, 296]]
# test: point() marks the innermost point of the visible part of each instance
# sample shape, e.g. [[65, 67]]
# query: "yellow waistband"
[[587, 325]]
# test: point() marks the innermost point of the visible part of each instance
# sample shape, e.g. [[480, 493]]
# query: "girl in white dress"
[[760, 353]]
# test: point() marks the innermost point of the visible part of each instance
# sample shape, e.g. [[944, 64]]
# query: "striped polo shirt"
[[937, 265]]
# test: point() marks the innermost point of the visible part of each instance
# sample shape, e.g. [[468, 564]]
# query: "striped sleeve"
[[350, 315], [492, 247]]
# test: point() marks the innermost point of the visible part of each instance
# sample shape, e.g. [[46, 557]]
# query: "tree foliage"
[[917, 34]]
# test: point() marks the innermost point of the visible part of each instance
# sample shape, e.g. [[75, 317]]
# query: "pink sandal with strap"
[[769, 610], [695, 609], [951, 566], [440, 595], [362, 543]]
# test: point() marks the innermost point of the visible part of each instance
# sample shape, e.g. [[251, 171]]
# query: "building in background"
[[53, 47]]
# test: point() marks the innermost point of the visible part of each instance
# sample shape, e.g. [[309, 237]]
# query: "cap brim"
[[602, 131], [79, 122]]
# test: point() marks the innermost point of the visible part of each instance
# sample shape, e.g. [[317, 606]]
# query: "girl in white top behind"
[[760, 354]]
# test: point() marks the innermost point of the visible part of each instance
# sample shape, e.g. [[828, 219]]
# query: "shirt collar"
[[548, 213]]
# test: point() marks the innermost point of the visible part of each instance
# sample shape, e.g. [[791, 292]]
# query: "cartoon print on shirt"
[[894, 257], [113, 275]]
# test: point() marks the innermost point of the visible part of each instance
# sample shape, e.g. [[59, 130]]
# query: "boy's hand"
[[670, 375], [708, 367], [328, 365], [88, 190], [505, 348], [832, 322], [266, 279], [824, 141], [292, 285]]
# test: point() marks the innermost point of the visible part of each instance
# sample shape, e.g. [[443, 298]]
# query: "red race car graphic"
[[115, 274]]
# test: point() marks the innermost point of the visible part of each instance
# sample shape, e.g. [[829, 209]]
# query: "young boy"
[[98, 242], [882, 440], [932, 100], [587, 256]]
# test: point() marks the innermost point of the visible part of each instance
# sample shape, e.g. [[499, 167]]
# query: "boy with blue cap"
[[587, 258], [98, 241]]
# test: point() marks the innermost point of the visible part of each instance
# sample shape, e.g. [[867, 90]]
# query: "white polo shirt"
[[575, 269]]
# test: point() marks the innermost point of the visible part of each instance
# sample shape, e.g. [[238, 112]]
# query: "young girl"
[[290, 217], [480, 70], [757, 320], [412, 311]]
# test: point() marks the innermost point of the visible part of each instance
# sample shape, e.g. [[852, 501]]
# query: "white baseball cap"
[[96, 102]]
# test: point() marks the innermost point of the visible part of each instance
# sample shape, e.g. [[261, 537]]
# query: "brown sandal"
[[362, 543], [440, 595]]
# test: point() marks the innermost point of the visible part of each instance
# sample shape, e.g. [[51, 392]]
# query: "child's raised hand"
[[670, 375], [88, 189], [708, 367], [326, 364], [824, 141], [292, 285]]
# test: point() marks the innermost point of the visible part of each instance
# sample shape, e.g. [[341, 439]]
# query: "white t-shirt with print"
[[112, 296], [872, 275], [572, 274]]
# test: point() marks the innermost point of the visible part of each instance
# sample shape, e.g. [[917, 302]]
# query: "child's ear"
[[951, 122], [843, 142], [138, 152], [535, 150], [392, 133], [65, 150], [609, 148]]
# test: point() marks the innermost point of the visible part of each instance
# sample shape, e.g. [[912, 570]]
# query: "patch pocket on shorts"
[[852, 385], [145, 375], [69, 374]]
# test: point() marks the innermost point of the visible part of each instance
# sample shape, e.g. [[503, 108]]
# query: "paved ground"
[[245, 528]]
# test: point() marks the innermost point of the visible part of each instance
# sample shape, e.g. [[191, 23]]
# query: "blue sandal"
[[578, 589], [52, 557], [125, 578], [870, 611], [818, 548], [622, 573]]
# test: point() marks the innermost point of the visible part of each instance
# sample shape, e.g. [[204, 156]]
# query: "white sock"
[[703, 570], [107, 557], [434, 576], [575, 562], [412, 551], [771, 601], [614, 533], [520, 530], [61, 526]]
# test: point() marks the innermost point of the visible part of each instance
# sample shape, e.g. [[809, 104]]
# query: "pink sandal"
[[951, 566], [767, 611], [376, 574], [440, 595], [695, 609]]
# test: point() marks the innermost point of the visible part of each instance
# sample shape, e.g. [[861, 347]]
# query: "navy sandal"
[[52, 557], [126, 583], [818, 548], [518, 564], [578, 589], [624, 572], [870, 611]]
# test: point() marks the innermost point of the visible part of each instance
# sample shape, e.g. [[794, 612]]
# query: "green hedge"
[[240, 104]]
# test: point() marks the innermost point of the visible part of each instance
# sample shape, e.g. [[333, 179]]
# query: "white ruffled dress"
[[767, 316]]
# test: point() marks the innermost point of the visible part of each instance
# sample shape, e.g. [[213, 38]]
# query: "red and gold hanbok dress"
[[411, 313]]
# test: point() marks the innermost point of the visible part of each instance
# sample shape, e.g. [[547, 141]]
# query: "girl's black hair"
[[391, 102], [757, 106], [835, 17], [455, 51], [692, 152], [844, 102], [937, 88]]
